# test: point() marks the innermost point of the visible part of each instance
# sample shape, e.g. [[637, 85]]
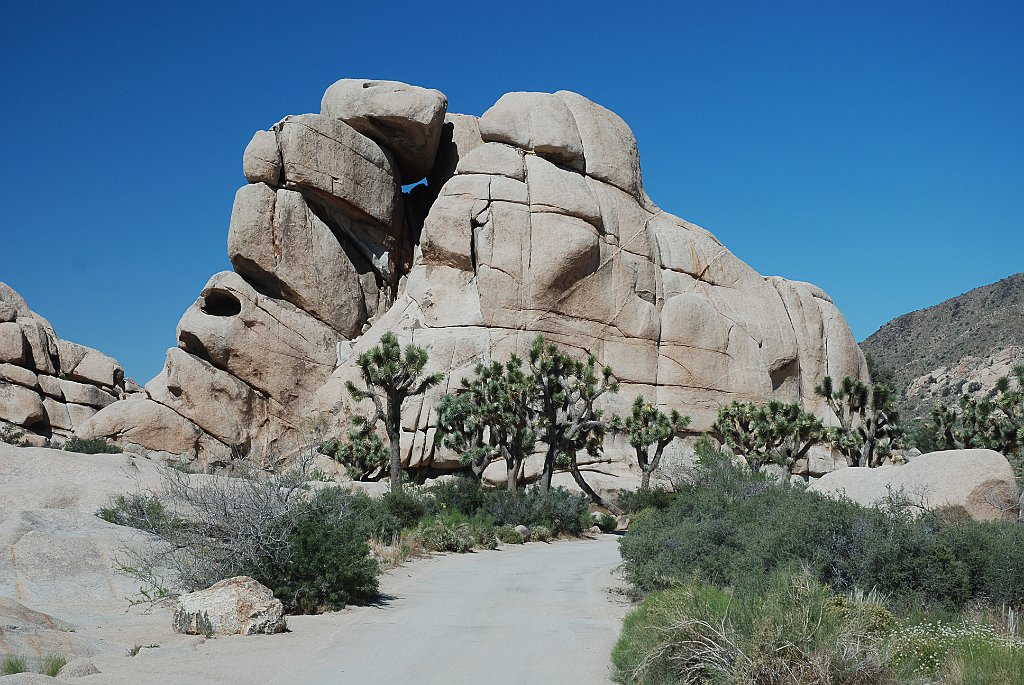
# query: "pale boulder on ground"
[[235, 606], [980, 481]]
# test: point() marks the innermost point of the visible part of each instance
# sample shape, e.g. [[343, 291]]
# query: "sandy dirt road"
[[531, 614]]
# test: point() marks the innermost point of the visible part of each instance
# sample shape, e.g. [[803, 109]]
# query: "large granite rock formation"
[[533, 220], [48, 386]]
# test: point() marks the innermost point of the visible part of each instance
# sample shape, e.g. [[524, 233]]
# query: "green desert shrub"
[[541, 534], [632, 501], [52, 663], [508, 535], [445, 534], [730, 525], [785, 629], [91, 446], [406, 505], [14, 663], [606, 522], [327, 564], [373, 517], [12, 435], [139, 510], [459, 494], [561, 511]]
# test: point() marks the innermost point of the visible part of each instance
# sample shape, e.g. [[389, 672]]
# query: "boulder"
[[980, 481], [79, 414], [143, 422], [405, 120], [328, 157], [235, 606], [214, 400], [19, 375], [57, 414], [12, 343], [21, 406], [261, 161], [42, 344], [276, 241], [609, 148], [269, 344], [459, 135], [82, 393], [538, 122], [78, 668], [81, 363], [50, 385], [12, 302]]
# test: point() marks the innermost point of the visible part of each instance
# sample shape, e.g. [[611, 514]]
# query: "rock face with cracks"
[[533, 220]]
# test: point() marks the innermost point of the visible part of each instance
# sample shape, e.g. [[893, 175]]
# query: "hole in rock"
[[221, 303]]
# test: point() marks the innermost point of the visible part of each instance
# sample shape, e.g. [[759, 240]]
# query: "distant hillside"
[[961, 345]]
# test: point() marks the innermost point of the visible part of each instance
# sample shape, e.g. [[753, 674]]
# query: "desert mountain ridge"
[[962, 345]]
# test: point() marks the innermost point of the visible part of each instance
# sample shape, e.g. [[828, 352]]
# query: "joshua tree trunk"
[[645, 479], [585, 487], [549, 468], [394, 429]]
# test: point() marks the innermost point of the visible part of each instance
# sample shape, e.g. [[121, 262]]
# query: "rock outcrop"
[[533, 220], [48, 386], [980, 481]]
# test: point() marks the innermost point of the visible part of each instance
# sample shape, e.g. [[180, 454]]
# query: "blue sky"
[[875, 149]]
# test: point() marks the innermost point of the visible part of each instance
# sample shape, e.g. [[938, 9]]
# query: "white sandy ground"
[[537, 613]]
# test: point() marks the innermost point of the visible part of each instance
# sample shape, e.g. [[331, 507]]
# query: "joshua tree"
[[771, 433], [392, 375], [491, 417], [649, 430], [995, 422], [868, 421], [363, 452], [565, 394]]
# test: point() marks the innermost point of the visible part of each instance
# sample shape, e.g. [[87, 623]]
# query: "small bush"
[[541, 534], [508, 535], [606, 522], [656, 498], [90, 446], [444, 534], [373, 517], [14, 663], [560, 510], [11, 435], [137, 510], [459, 494], [52, 663], [328, 564], [406, 506]]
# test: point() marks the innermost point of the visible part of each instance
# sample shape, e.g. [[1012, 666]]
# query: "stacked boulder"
[[532, 220], [49, 386]]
